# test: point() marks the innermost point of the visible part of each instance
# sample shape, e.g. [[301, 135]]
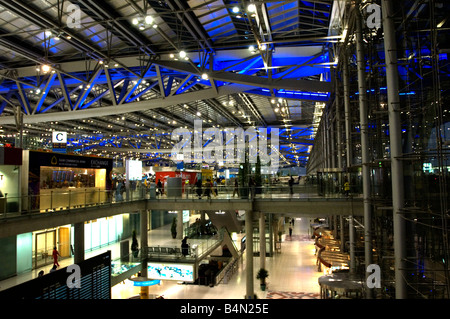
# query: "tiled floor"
[[292, 273]]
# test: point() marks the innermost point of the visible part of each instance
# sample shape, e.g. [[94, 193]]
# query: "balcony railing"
[[54, 200]]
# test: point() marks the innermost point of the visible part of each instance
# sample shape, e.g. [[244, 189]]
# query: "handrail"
[[59, 199]]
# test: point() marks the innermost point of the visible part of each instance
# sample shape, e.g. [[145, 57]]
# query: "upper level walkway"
[[63, 209]]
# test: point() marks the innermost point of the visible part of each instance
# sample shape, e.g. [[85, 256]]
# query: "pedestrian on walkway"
[[290, 231], [251, 185], [185, 246], [346, 187], [291, 185], [236, 187], [199, 188], [55, 256]]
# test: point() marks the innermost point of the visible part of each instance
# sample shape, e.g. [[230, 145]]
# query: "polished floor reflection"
[[292, 272]]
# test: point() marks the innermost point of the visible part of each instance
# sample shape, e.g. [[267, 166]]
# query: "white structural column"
[[79, 243], [144, 245], [262, 240], [250, 293], [395, 148], [364, 127]]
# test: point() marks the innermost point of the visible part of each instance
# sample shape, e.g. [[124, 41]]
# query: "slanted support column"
[[250, 293], [79, 243], [395, 139]]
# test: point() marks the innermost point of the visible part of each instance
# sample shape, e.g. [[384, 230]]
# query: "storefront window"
[[65, 177]]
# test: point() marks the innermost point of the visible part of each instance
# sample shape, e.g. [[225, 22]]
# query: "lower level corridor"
[[292, 272]]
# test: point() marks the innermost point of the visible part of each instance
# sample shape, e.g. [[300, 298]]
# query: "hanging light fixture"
[[45, 68]]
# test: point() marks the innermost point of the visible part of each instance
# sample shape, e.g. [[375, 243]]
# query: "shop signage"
[[62, 160]]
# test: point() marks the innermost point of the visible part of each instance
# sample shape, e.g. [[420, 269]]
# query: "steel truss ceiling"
[[117, 82]]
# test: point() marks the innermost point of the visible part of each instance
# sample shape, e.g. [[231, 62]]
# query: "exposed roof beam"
[[129, 107]]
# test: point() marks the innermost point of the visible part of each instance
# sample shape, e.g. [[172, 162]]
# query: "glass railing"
[[198, 249], [230, 192], [54, 200], [123, 264]]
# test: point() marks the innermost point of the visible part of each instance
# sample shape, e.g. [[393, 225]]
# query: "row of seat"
[[165, 250]]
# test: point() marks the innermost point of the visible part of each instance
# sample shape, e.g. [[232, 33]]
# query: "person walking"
[[55, 256], [208, 189], [185, 246], [215, 188], [251, 185], [159, 188], [199, 188], [291, 185], [236, 187], [346, 187], [290, 231]]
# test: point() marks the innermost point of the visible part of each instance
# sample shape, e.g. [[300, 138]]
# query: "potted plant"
[[174, 228], [262, 275]]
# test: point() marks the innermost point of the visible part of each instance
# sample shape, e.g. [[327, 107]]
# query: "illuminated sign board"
[[59, 140], [185, 216], [168, 271], [59, 137]]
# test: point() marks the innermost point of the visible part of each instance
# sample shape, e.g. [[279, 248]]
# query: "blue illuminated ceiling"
[[114, 75]]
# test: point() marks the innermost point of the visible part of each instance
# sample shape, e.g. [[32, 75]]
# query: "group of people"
[[211, 188]]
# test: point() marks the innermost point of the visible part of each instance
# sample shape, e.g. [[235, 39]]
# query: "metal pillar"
[[338, 127], [395, 148], [364, 127], [348, 120], [250, 293], [351, 232], [342, 233]]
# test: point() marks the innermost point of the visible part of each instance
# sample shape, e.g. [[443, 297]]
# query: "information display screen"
[[167, 271], [95, 283]]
